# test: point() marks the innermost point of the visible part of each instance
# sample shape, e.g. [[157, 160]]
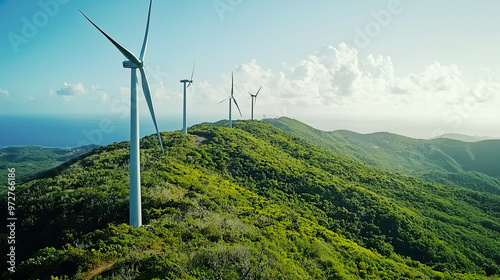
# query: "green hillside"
[[446, 161], [251, 202], [32, 161]]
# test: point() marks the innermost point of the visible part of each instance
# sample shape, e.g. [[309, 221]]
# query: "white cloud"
[[71, 90], [208, 94], [100, 92], [160, 93], [485, 90], [337, 76], [4, 92], [125, 91], [28, 98], [49, 91], [104, 97]]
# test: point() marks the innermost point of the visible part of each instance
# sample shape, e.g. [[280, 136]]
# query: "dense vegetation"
[[446, 161], [253, 202], [31, 161]]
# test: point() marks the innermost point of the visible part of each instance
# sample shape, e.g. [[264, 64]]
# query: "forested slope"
[[253, 202], [32, 161]]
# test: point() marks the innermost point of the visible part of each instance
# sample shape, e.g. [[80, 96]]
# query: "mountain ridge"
[[465, 138], [446, 161]]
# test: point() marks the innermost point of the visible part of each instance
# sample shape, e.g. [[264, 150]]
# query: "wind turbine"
[[189, 83], [231, 97], [254, 96], [135, 63]]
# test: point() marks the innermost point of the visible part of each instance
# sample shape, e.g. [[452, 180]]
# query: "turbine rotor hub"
[[130, 64]]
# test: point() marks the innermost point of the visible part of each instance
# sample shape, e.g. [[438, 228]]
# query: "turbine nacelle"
[[232, 99], [130, 64], [189, 82], [254, 97]]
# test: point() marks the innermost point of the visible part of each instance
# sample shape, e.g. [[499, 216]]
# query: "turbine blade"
[[128, 54], [232, 84], [192, 73], [258, 91], [225, 99], [146, 35], [192, 89], [257, 94], [237, 106], [147, 95]]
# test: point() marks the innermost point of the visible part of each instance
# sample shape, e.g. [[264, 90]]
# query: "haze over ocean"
[[65, 132]]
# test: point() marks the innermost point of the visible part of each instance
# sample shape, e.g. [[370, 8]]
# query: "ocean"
[[73, 131]]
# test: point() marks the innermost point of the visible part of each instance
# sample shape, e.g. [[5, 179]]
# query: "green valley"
[[32, 161]]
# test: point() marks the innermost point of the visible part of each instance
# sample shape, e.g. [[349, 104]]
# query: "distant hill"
[[464, 138], [253, 202], [471, 165], [32, 161]]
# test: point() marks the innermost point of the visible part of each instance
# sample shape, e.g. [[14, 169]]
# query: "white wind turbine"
[[189, 83], [254, 96], [135, 63], [231, 97]]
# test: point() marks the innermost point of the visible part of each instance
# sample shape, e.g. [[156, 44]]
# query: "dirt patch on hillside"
[[98, 270], [200, 140]]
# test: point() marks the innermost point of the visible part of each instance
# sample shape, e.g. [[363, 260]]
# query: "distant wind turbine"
[[189, 83], [254, 96], [135, 63], [231, 97]]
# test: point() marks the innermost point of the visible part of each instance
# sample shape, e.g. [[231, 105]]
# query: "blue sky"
[[418, 68]]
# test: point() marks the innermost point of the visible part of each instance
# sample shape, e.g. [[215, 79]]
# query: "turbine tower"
[[231, 98], [189, 83], [254, 96], [135, 63]]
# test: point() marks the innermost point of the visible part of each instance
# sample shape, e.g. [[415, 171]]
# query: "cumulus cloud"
[[210, 94], [485, 90], [159, 92], [337, 76], [4, 92], [125, 91], [104, 97], [71, 90], [49, 92]]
